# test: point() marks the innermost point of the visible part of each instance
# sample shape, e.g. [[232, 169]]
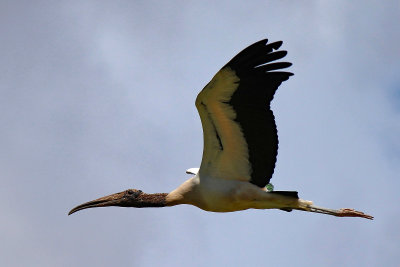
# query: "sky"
[[98, 96]]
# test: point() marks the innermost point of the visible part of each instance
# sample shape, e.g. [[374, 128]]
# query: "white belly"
[[220, 195]]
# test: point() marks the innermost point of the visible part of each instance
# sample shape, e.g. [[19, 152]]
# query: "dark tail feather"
[[286, 193], [286, 209]]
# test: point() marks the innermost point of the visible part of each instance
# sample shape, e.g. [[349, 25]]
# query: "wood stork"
[[240, 144]]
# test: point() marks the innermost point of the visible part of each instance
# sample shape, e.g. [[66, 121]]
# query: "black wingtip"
[[265, 41], [276, 45], [259, 53]]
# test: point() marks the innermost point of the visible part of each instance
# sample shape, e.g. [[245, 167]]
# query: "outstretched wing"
[[240, 135]]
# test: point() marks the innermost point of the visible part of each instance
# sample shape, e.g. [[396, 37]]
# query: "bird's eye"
[[130, 192]]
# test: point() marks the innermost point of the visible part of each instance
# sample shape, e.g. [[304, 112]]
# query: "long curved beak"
[[110, 200]]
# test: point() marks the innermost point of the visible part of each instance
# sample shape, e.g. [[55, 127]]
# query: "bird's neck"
[[152, 200]]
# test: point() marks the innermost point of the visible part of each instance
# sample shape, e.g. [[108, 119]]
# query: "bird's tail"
[[293, 194]]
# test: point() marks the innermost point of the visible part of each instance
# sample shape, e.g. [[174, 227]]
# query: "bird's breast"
[[221, 195]]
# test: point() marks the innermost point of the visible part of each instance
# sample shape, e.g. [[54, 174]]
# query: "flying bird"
[[240, 144]]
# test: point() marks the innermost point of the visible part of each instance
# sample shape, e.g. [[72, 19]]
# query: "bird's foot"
[[353, 213], [339, 213]]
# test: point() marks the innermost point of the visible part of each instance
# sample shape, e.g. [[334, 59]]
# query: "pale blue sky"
[[98, 96]]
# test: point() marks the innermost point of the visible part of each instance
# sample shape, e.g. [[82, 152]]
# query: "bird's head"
[[128, 198]]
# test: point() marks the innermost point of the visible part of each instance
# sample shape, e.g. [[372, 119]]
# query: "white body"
[[220, 195]]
